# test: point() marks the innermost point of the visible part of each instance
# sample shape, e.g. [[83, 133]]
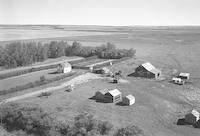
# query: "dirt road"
[[41, 65], [77, 80]]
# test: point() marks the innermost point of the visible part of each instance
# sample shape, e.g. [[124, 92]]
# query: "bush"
[[130, 131], [29, 118], [85, 124], [47, 94], [42, 78]]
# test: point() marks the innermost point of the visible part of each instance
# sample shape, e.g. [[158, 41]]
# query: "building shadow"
[[98, 100], [133, 74], [121, 104], [182, 121]]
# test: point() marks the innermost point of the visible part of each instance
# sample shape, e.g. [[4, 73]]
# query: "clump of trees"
[[31, 120], [24, 53]]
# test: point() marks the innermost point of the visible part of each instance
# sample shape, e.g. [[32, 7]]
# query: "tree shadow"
[[55, 72]]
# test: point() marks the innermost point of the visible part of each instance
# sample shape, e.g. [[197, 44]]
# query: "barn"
[[113, 96], [128, 100], [147, 70], [100, 95], [64, 68], [192, 117]]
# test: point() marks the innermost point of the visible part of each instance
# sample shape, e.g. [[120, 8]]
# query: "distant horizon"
[[104, 25], [101, 12]]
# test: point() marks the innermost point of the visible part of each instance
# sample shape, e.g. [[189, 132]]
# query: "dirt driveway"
[[77, 80]]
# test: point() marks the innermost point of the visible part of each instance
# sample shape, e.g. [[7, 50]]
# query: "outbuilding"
[[113, 96], [178, 81], [64, 68], [103, 70], [147, 70], [100, 95], [184, 76], [192, 117], [128, 100]]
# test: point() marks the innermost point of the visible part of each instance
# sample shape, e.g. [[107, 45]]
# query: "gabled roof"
[[195, 113], [114, 92], [65, 64], [149, 67], [103, 91], [176, 79], [130, 97]]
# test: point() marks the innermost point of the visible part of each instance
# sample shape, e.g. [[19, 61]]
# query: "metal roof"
[[65, 64], [114, 92], [195, 113], [130, 97], [149, 67], [184, 74], [103, 91]]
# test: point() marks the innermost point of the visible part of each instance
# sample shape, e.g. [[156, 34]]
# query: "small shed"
[[147, 70], [103, 70], [64, 68], [192, 117], [128, 100], [100, 95], [113, 96], [178, 81], [184, 76]]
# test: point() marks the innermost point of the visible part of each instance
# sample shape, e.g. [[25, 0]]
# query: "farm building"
[[178, 81], [100, 95], [64, 68], [184, 76], [113, 96], [192, 117], [103, 70], [128, 100], [147, 70]]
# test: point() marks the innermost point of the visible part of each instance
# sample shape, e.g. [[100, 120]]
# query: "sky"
[[101, 12]]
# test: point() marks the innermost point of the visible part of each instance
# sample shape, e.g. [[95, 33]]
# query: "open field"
[[158, 103]]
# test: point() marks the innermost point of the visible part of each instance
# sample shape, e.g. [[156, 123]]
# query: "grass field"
[[158, 103], [26, 78]]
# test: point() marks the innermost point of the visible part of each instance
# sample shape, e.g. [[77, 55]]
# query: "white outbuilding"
[[184, 76], [64, 68], [113, 96], [128, 100], [178, 81], [192, 117]]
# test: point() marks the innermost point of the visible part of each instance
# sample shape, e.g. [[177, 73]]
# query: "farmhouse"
[[64, 68], [184, 76], [114, 96], [100, 95], [128, 100], [192, 117], [147, 70]]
